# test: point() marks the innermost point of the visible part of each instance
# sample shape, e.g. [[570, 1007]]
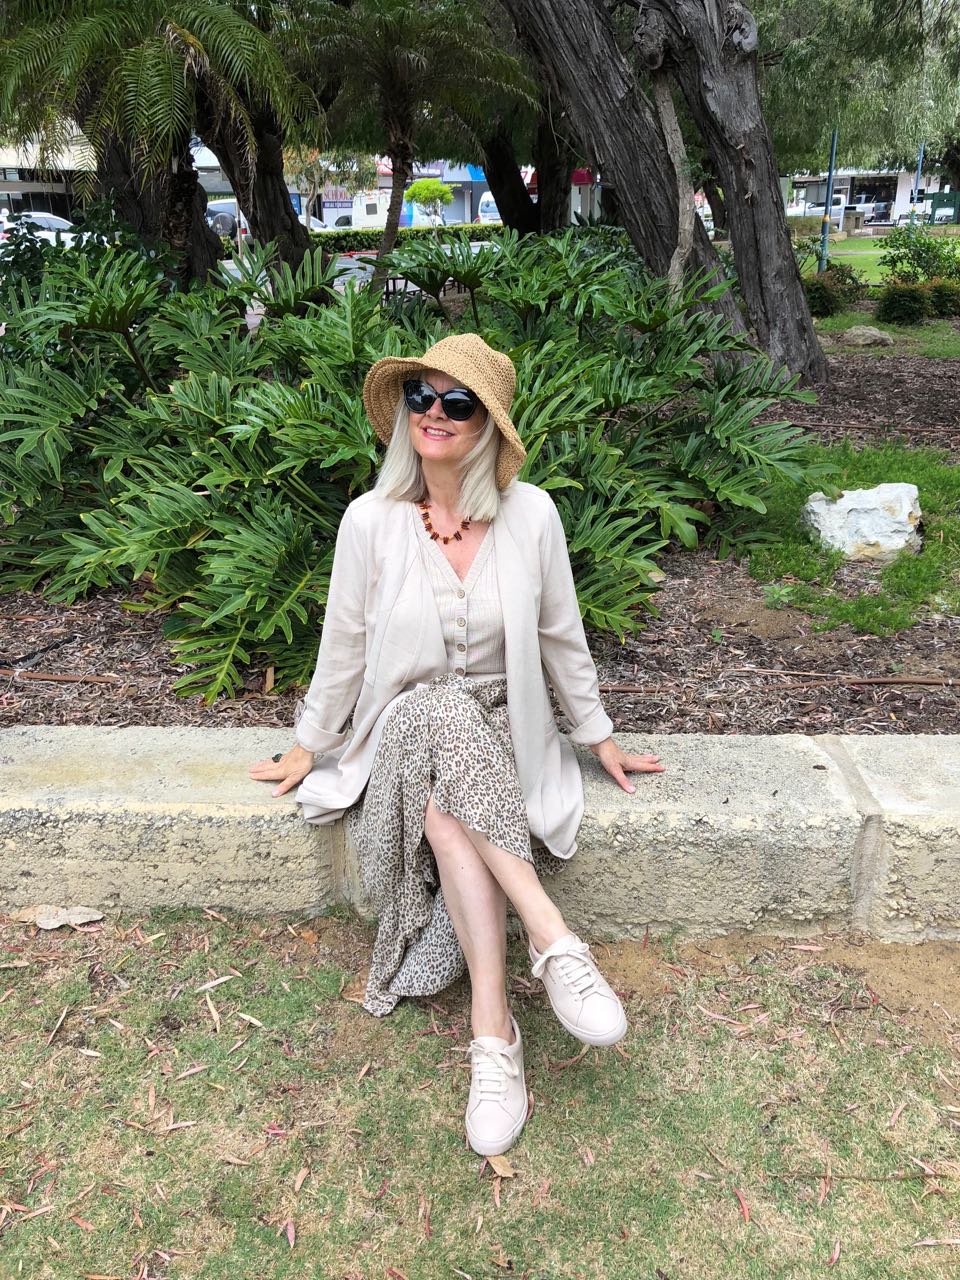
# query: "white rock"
[[867, 524], [865, 335]]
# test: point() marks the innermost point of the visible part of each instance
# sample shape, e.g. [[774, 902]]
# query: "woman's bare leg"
[[478, 911], [519, 881]]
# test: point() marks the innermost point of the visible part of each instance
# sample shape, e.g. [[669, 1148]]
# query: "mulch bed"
[[872, 399], [715, 660]]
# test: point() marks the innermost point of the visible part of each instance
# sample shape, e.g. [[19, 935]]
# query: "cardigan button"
[[459, 671], [460, 594], [461, 622], [461, 648]]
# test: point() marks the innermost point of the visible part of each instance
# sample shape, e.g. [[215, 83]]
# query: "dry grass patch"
[[210, 1106]]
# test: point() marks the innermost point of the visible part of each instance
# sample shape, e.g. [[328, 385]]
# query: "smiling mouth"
[[437, 433]]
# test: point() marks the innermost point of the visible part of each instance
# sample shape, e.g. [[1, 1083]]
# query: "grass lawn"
[[188, 1095], [934, 339], [806, 577], [863, 255]]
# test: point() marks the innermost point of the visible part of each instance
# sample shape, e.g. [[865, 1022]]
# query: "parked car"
[[45, 226], [487, 210], [223, 218]]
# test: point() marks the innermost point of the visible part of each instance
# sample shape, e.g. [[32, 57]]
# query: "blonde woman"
[[428, 720]]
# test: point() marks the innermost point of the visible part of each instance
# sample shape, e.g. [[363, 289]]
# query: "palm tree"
[[401, 65], [129, 77]]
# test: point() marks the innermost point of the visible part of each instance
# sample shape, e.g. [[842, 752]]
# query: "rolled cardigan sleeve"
[[563, 645], [337, 680]]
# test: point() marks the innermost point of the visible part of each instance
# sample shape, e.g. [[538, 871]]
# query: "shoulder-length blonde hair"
[[401, 475]]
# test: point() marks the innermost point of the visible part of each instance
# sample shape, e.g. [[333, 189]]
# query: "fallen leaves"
[[47, 916], [355, 991], [301, 1178], [216, 982], [835, 1256], [744, 1207], [213, 1011], [898, 1112]]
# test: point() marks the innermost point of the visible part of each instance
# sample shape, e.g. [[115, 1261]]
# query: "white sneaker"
[[497, 1108], [582, 999]]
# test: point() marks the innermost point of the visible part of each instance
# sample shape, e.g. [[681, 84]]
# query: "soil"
[[886, 397], [715, 660], [917, 985]]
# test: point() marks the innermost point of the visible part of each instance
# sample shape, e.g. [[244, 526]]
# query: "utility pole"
[[828, 208], [915, 193]]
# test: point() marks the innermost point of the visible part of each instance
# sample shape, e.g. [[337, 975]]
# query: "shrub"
[[914, 254], [151, 437], [945, 297], [903, 302], [824, 297], [799, 227], [848, 282], [369, 239]]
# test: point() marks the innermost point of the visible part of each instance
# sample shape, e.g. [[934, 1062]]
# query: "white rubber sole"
[[614, 1036], [495, 1148]]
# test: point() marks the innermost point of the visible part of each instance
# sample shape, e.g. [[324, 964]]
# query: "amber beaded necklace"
[[440, 537]]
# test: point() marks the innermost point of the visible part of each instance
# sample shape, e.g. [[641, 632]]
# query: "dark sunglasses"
[[458, 404]]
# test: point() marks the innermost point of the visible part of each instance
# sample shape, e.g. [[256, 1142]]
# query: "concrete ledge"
[[779, 834]]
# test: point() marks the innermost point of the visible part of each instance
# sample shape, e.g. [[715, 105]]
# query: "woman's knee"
[[440, 828]]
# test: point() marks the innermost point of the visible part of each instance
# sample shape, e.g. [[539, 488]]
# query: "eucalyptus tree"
[[884, 74], [402, 65], [706, 49], [129, 78]]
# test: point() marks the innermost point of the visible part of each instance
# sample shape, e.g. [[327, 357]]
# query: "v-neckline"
[[476, 564]]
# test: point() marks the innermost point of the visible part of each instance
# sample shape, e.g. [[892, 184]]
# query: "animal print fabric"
[[451, 738]]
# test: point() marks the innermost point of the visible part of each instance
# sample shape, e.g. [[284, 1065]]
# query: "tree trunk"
[[166, 207], [402, 165], [506, 183], [678, 154], [195, 246], [257, 180], [575, 42], [709, 46], [554, 160], [137, 200]]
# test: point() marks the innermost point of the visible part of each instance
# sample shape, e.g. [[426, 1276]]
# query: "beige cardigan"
[[382, 637]]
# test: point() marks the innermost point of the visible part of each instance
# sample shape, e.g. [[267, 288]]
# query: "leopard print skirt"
[[449, 738]]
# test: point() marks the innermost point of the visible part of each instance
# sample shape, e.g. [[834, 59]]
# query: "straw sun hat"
[[487, 373]]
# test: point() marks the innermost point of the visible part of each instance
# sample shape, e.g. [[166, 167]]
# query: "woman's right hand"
[[290, 770]]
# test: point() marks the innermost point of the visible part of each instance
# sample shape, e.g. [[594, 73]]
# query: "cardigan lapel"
[[526, 698]]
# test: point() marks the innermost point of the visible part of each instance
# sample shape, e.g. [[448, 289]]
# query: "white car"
[[487, 210], [45, 226]]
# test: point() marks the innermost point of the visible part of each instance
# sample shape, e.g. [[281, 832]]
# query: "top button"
[[461, 593]]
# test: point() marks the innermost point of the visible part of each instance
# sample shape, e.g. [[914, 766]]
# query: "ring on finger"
[[277, 758]]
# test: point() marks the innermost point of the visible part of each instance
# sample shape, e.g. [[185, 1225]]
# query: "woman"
[[451, 599]]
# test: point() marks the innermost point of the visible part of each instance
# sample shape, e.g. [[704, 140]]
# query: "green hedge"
[[353, 240], [904, 302], [945, 297]]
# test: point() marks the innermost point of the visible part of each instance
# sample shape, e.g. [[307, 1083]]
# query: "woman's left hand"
[[618, 764]]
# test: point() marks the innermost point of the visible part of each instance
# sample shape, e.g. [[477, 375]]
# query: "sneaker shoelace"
[[491, 1069], [573, 966]]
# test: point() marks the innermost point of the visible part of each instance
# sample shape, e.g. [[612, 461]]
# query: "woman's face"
[[435, 436]]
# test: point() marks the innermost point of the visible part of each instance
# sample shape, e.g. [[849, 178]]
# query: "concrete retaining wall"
[[780, 834]]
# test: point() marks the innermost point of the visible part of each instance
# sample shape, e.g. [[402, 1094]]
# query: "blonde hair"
[[401, 475]]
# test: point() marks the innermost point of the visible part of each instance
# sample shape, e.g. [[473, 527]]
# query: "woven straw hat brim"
[[384, 384]]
